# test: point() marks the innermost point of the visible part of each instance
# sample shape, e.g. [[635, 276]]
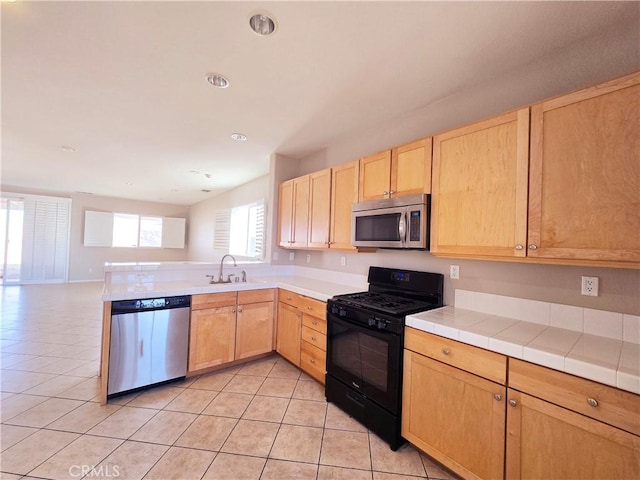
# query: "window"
[[240, 230], [105, 229]]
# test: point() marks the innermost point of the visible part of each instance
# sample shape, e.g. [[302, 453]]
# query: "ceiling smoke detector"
[[67, 148], [262, 24], [239, 137], [217, 80]]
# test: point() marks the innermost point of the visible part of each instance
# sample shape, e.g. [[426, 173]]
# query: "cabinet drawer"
[[314, 338], [255, 296], [313, 307], [315, 323], [313, 361], [288, 297], [486, 364], [607, 404], [212, 300]]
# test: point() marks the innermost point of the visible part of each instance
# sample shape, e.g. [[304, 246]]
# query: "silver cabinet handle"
[[309, 307], [312, 360], [513, 403], [233, 310], [385, 193], [391, 192], [497, 396], [592, 401], [533, 247], [313, 337], [239, 309], [299, 314], [446, 351], [519, 247], [314, 322], [288, 298]]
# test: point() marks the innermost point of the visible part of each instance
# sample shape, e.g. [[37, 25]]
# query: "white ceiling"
[[124, 82]]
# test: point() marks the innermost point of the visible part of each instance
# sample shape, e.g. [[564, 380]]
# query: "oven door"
[[367, 360]]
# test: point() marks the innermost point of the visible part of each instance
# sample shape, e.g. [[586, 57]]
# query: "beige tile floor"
[[261, 420]]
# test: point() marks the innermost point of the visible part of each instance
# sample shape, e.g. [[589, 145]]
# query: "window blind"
[[45, 239]]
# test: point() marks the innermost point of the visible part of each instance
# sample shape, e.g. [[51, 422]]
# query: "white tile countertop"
[[133, 281], [598, 345]]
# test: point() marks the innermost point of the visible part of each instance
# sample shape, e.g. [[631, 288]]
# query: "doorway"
[[11, 227]]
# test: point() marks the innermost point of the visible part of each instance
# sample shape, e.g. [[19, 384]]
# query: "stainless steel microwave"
[[400, 222]]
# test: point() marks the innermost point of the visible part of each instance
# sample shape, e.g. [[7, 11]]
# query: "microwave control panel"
[[414, 229]]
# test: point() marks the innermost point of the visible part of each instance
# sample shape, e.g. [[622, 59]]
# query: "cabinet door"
[[288, 333], [375, 175], [547, 441], [344, 193], [479, 201], [212, 337], [411, 168], [454, 416], [585, 174], [254, 329], [285, 214], [300, 211], [319, 208]]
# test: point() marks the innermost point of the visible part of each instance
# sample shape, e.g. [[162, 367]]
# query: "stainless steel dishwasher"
[[149, 342]]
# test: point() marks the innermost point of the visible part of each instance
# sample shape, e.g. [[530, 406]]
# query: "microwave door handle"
[[402, 227]]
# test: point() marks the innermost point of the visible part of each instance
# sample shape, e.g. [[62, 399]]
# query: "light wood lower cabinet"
[[455, 416], [288, 332], [560, 426], [301, 333], [230, 326], [548, 441], [212, 337], [254, 323]]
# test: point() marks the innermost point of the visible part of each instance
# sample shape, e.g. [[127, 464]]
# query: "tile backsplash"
[[601, 323]]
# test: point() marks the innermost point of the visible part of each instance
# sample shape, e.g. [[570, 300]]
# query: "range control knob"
[[372, 322], [334, 309], [342, 312], [382, 324]]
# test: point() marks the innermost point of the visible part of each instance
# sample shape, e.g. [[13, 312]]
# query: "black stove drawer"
[[372, 416]]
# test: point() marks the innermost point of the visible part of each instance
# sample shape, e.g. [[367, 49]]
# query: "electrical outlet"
[[454, 272], [590, 286], [343, 260], [308, 258], [292, 256]]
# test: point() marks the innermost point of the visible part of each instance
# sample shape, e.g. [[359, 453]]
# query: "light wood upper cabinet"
[[479, 189], [293, 212], [584, 200], [319, 208], [403, 170], [285, 214], [411, 168], [344, 193], [375, 176], [300, 225]]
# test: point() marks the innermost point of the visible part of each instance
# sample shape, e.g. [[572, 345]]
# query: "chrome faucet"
[[220, 278]]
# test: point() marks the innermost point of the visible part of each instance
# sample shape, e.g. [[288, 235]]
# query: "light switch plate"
[[292, 256]]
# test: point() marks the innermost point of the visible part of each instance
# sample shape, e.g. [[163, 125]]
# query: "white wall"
[[87, 263], [202, 216]]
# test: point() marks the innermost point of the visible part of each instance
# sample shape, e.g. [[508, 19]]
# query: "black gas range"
[[365, 341]]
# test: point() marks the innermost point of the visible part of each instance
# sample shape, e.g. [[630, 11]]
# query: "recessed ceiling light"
[[239, 137], [217, 80], [66, 148], [262, 24]]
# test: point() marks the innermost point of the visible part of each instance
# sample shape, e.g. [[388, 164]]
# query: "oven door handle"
[[402, 227]]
